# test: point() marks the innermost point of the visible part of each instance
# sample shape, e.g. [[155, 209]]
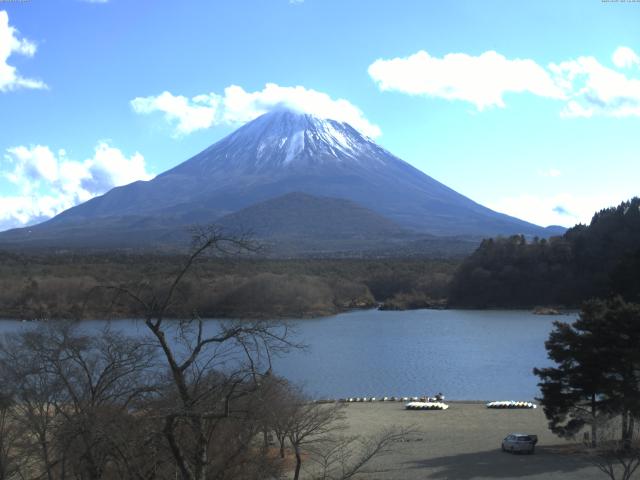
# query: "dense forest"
[[72, 285], [598, 260]]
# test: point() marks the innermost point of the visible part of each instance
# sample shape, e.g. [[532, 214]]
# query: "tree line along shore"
[[599, 260], [65, 285]]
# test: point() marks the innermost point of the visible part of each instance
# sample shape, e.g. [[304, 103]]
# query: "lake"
[[466, 354]]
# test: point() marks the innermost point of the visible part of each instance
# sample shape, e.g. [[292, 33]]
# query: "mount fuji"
[[306, 176]]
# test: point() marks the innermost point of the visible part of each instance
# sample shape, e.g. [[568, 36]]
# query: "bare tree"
[[11, 462], [279, 405], [314, 432], [344, 457], [210, 367], [618, 457], [310, 424], [73, 391], [36, 394], [98, 405]]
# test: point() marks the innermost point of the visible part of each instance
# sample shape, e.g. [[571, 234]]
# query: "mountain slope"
[[278, 153], [299, 215], [299, 224]]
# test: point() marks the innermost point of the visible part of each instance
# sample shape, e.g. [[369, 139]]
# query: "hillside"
[[598, 260], [302, 215]]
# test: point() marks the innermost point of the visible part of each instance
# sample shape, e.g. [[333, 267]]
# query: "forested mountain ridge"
[[598, 260]]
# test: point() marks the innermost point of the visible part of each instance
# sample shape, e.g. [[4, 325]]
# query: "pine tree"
[[597, 372]]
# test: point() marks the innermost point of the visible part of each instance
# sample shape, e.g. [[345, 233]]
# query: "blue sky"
[[530, 108]]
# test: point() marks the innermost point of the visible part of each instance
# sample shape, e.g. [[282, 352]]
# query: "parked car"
[[519, 442]]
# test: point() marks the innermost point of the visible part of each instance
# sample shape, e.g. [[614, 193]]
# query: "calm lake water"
[[466, 354]]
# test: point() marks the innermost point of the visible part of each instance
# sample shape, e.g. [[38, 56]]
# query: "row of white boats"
[[426, 406], [388, 399], [511, 404], [432, 403], [443, 406]]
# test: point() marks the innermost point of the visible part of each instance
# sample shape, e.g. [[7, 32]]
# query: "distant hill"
[[298, 224], [301, 215], [598, 260], [279, 153]]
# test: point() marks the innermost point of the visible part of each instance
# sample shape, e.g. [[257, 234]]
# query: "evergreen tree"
[[617, 326], [572, 391], [597, 372], [598, 260]]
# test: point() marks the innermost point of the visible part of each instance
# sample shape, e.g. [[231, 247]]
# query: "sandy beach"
[[463, 442]]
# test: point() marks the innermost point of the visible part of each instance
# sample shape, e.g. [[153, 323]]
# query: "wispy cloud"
[[11, 43], [236, 106], [594, 89], [552, 172], [560, 209], [50, 182], [585, 86]]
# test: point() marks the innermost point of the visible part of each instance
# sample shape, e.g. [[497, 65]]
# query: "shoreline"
[[292, 317], [309, 315], [411, 399]]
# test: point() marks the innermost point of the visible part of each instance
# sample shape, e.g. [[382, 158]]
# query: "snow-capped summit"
[[277, 154], [286, 138]]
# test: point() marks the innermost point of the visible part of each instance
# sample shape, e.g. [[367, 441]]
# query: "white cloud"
[[624, 57], [562, 209], [51, 182], [585, 86], [10, 43], [481, 80], [574, 109], [186, 114], [552, 172], [238, 106], [20, 210], [594, 89]]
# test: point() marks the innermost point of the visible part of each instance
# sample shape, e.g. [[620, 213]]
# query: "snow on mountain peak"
[[285, 138]]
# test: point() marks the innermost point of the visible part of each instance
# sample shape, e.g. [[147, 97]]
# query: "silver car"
[[519, 442]]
